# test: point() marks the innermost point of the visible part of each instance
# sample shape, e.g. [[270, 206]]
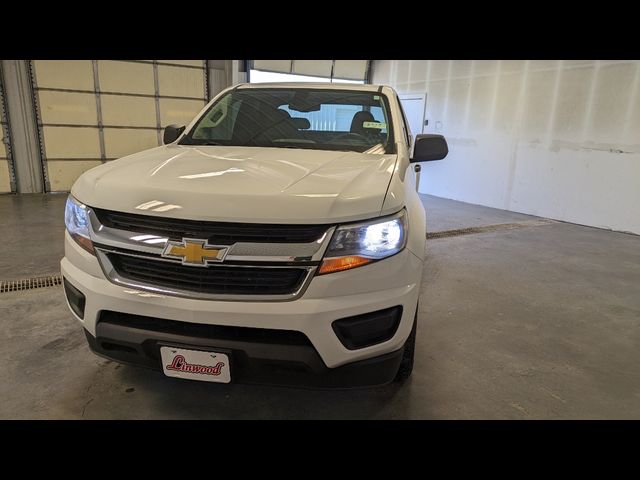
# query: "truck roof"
[[324, 86]]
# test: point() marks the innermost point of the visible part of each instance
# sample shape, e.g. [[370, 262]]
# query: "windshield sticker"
[[378, 125]]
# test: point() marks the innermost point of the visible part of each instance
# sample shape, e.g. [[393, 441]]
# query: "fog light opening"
[[75, 298]]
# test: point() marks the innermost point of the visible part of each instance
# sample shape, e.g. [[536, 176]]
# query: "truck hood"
[[241, 184]]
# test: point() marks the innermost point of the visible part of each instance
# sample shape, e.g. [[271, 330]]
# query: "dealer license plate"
[[195, 364]]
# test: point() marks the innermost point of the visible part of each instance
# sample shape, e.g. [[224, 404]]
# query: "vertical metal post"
[[156, 83], [44, 166], [248, 65], [368, 71], [6, 134], [207, 94], [21, 111], [96, 87]]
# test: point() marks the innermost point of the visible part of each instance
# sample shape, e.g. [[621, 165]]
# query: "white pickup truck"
[[278, 238]]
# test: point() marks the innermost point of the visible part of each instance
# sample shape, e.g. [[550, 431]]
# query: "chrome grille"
[[256, 267], [218, 279]]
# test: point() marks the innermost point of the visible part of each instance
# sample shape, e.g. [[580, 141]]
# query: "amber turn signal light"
[[84, 242], [330, 265]]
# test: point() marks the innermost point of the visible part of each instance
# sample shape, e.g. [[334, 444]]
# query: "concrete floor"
[[535, 322], [32, 229]]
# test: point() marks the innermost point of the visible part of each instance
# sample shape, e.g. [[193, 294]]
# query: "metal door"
[[93, 111], [414, 106]]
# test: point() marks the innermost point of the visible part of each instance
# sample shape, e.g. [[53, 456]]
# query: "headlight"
[[362, 243], [77, 222]]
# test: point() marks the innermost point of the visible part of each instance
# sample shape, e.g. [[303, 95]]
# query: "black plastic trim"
[[368, 329], [75, 298], [216, 280], [136, 340]]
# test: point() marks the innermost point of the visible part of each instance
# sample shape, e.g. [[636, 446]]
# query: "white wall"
[[559, 139]]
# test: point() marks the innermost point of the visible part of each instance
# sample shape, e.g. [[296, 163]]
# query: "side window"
[[407, 132]]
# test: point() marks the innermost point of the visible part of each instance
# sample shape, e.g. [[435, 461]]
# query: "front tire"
[[406, 365]]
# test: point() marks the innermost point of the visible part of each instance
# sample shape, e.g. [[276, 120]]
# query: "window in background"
[[260, 76]]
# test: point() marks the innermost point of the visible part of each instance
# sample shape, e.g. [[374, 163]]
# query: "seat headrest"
[[300, 123], [359, 118]]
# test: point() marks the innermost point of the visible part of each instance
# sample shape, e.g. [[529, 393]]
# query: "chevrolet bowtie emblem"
[[194, 251]]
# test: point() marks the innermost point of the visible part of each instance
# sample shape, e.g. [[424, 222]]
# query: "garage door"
[[93, 111], [7, 181]]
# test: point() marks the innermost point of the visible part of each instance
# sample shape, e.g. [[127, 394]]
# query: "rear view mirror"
[[171, 133], [302, 106], [301, 103], [428, 147]]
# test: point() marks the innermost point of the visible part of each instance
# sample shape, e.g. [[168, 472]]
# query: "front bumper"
[[391, 282], [287, 360]]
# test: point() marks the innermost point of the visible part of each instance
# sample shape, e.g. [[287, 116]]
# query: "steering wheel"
[[353, 136]]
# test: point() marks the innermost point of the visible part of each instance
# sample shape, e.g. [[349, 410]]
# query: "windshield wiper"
[[200, 142]]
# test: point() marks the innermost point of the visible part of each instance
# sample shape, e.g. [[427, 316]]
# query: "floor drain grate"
[[30, 283], [488, 228]]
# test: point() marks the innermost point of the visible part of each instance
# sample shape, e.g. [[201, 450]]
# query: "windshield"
[[297, 118]]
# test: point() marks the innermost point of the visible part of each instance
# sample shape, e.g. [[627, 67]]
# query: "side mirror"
[[171, 133], [428, 147]]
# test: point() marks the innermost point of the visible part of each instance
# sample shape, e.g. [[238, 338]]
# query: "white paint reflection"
[[221, 157], [166, 208], [317, 195], [148, 205], [159, 206], [212, 174], [159, 167], [295, 165]]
